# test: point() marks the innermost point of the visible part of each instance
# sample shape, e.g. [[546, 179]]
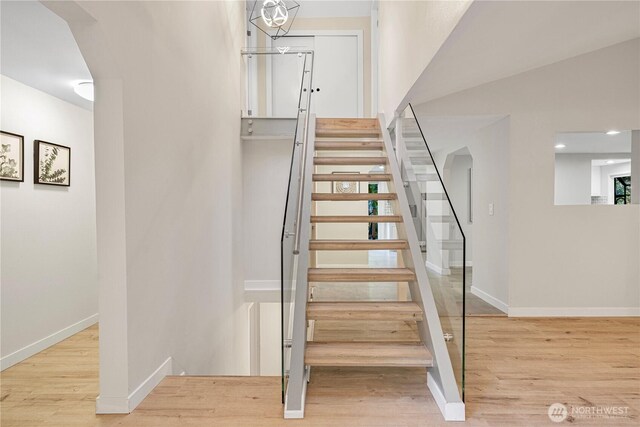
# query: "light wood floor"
[[515, 369]]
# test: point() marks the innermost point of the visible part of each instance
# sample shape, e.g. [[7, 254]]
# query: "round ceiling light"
[[274, 13], [84, 90], [613, 132], [560, 146]]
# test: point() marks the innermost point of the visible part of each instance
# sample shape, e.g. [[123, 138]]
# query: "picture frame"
[[345, 187], [51, 164], [11, 157]]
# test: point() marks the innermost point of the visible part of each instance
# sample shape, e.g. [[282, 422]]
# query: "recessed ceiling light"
[[560, 146], [84, 90], [610, 162], [613, 132]]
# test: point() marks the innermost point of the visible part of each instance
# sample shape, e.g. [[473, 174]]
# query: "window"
[[622, 190], [373, 210]]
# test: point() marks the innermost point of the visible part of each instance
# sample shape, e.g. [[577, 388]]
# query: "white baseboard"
[[574, 311], [458, 264], [143, 390], [451, 411], [489, 299], [36, 347], [125, 405], [437, 269], [261, 285]]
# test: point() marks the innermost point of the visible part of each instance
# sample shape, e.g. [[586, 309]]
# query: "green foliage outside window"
[[622, 190]]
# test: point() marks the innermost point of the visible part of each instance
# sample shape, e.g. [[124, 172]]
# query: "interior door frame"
[[359, 34]]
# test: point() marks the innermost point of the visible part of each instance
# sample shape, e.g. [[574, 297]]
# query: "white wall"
[[265, 166], [488, 146], [572, 179], [457, 183], [49, 279], [270, 340], [558, 264], [410, 34], [490, 152], [169, 89], [596, 177]]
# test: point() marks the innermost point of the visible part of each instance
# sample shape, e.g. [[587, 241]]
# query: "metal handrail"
[[303, 170]]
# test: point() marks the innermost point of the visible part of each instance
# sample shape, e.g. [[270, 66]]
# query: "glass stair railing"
[[441, 236], [301, 61]]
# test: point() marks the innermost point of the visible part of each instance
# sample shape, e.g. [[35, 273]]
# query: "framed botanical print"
[[11, 157], [52, 163]]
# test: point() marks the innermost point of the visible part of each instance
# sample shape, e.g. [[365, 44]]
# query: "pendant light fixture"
[[274, 17]]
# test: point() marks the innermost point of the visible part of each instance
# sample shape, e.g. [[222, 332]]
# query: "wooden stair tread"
[[348, 145], [346, 123], [352, 196], [345, 245], [355, 218], [347, 133], [371, 177], [366, 331], [400, 311], [350, 161], [360, 275], [367, 354]]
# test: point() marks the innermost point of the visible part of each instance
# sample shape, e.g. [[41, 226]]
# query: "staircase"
[[350, 283], [353, 143]]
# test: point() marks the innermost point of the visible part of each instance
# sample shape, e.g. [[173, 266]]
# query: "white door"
[[286, 75], [337, 76]]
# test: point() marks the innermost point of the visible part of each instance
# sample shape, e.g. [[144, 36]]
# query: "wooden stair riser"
[[337, 197], [348, 133], [355, 245], [363, 177], [347, 123], [360, 275], [368, 354], [349, 161], [356, 219], [374, 311], [348, 146]]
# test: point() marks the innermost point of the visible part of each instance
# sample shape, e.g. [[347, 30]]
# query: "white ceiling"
[[334, 9], [326, 8], [594, 142], [38, 49], [607, 162], [497, 39]]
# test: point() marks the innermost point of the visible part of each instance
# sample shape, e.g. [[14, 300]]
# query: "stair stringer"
[[298, 374], [441, 379]]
